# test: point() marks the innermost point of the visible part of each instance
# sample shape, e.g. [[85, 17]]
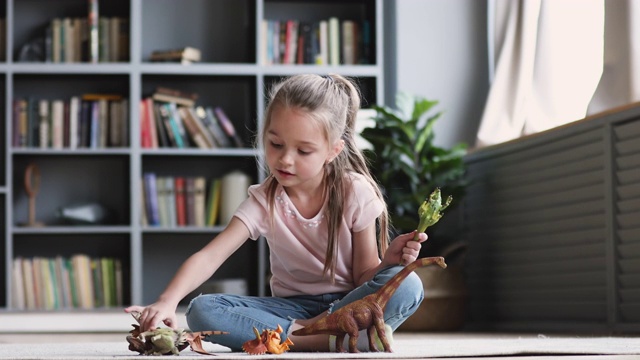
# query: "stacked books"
[[185, 55], [170, 118]]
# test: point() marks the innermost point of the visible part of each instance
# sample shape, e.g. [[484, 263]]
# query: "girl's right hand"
[[153, 314]]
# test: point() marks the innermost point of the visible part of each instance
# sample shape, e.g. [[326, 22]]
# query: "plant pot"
[[445, 295]]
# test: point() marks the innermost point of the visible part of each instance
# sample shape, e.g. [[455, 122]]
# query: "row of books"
[[78, 282], [327, 42], [175, 201], [86, 121], [92, 38], [175, 122]]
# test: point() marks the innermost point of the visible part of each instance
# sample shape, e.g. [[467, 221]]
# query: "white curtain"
[[620, 83], [548, 63]]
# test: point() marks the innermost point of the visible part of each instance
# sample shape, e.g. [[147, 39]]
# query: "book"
[[96, 276], [334, 41], [74, 119], [158, 122], [124, 115], [29, 284], [170, 203], [38, 284], [184, 101], [33, 123], [213, 202], [228, 126], [179, 132], [21, 122], [119, 286], [143, 211], [150, 123], [64, 300], [94, 38], [186, 54], [105, 269], [163, 90], [192, 128], [57, 124], [161, 194], [81, 264], [349, 42], [181, 211], [18, 300], [322, 58], [43, 114], [209, 120], [151, 201], [85, 124], [200, 184], [202, 129], [190, 193]]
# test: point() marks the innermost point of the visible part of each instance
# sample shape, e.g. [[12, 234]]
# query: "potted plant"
[[409, 166]]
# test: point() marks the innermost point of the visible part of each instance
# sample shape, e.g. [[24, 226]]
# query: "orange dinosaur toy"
[[269, 341]]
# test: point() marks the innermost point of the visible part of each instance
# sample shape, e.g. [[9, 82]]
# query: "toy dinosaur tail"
[[384, 293]]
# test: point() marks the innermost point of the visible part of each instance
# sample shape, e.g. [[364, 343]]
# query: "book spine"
[[94, 36], [181, 214], [152, 199]]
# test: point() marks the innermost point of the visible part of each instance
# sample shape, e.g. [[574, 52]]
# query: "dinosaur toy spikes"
[[431, 211], [366, 313]]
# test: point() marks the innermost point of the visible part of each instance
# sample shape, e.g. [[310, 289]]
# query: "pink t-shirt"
[[298, 245]]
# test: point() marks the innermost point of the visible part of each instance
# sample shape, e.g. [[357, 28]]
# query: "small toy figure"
[[269, 341], [166, 341]]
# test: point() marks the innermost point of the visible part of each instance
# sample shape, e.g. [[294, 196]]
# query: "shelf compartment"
[[223, 30], [235, 94], [36, 15], [164, 253], [95, 246], [68, 180], [360, 11]]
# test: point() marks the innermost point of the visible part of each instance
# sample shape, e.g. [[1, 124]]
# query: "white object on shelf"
[[234, 192]]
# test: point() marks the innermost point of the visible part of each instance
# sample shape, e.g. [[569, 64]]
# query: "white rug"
[[406, 346]]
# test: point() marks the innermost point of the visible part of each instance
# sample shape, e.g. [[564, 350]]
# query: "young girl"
[[317, 210]]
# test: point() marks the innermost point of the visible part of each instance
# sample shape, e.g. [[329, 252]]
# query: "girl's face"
[[296, 148]]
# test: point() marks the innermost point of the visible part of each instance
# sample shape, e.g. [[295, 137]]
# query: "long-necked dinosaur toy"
[[366, 313]]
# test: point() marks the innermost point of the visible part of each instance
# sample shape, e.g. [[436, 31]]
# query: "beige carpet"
[[406, 346]]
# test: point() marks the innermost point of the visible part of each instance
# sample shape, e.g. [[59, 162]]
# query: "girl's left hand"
[[403, 249]]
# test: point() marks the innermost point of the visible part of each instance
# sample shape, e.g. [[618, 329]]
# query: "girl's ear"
[[337, 149]]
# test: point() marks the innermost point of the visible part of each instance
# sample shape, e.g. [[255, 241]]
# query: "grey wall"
[[438, 49]]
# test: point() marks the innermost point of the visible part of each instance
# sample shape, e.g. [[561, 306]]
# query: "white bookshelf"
[[230, 75]]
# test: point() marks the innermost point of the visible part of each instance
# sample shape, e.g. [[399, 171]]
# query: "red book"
[[181, 202], [145, 137]]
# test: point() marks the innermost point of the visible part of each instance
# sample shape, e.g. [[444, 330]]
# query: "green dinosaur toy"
[[431, 211]]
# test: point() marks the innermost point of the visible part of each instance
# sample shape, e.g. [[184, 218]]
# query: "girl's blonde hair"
[[333, 102]]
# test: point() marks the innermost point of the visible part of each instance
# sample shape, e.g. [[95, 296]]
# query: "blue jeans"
[[239, 314]]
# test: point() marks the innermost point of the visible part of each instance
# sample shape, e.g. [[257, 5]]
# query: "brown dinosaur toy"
[[366, 313]]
